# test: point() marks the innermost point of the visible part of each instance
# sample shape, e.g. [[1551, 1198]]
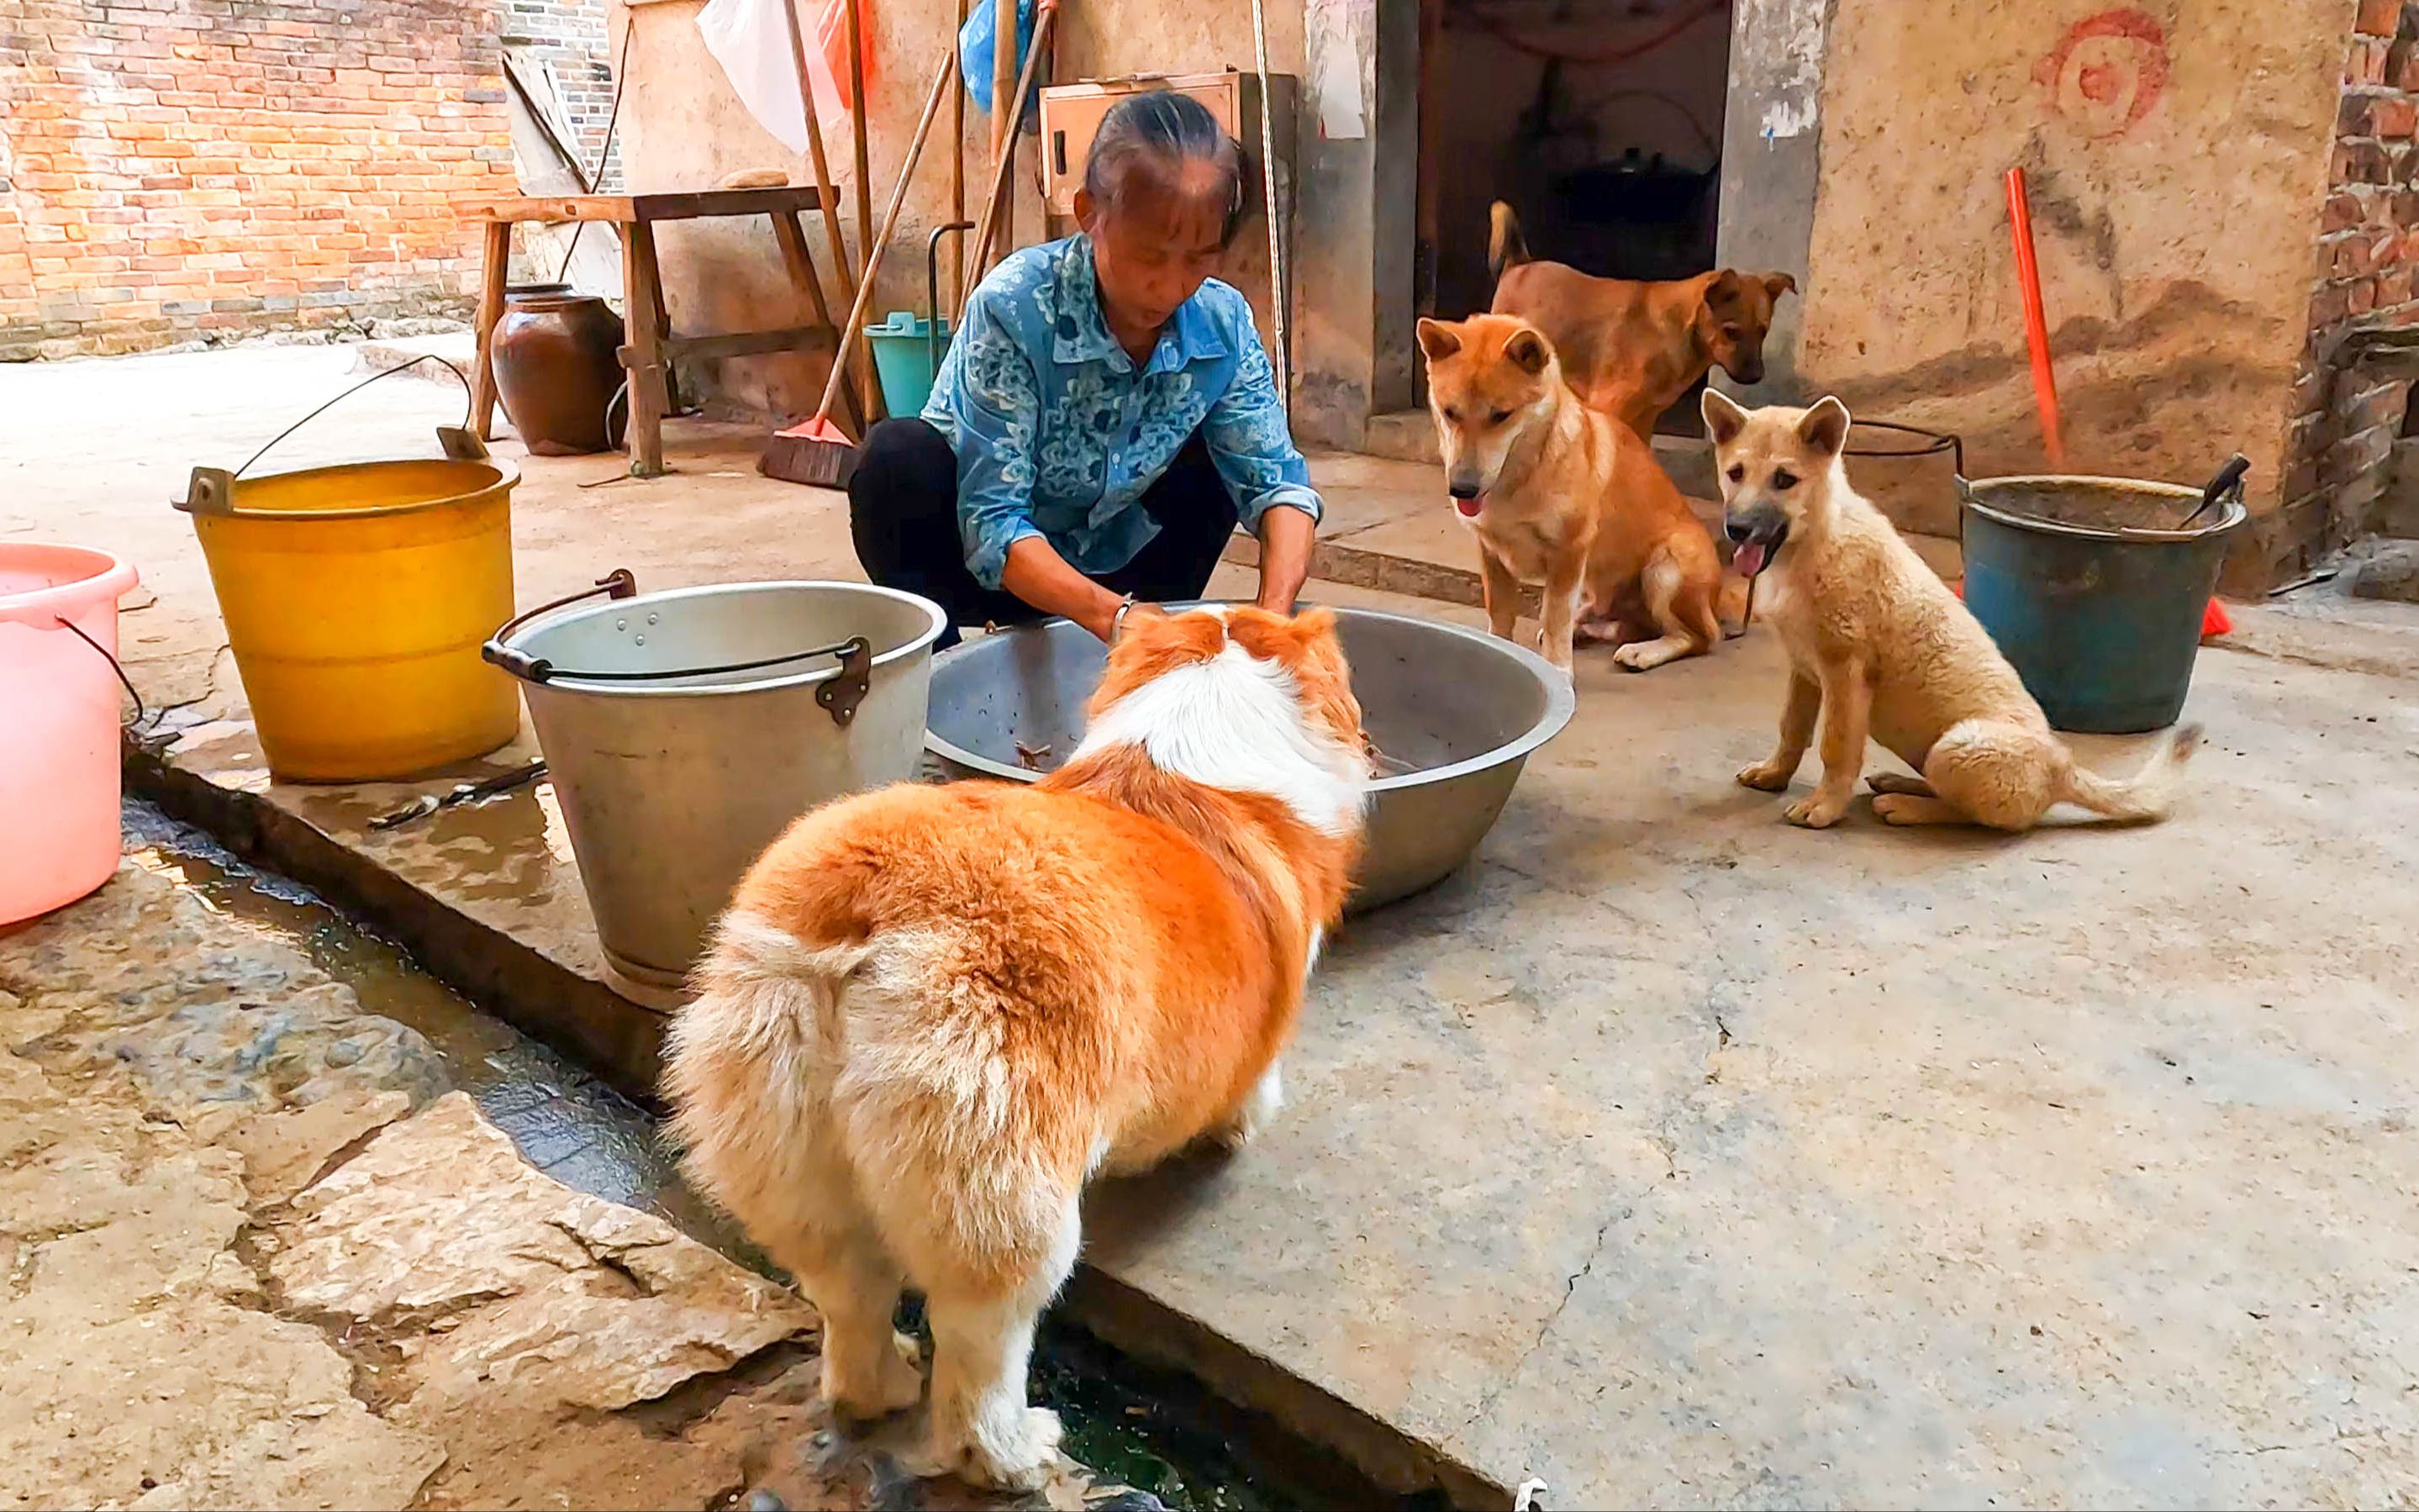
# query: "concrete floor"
[[1677, 1156]]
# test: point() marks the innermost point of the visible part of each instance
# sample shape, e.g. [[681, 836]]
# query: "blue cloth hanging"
[[975, 54]]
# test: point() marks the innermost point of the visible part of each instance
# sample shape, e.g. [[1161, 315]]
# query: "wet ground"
[[1134, 1426]]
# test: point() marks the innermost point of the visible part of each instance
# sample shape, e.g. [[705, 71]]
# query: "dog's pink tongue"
[[1748, 559], [1470, 507]]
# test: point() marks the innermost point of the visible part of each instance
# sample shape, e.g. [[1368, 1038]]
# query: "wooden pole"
[[858, 122], [822, 165], [857, 116], [851, 331], [957, 169], [1003, 116], [994, 216]]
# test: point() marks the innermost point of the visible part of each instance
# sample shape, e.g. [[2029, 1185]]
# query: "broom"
[[2214, 620], [816, 450]]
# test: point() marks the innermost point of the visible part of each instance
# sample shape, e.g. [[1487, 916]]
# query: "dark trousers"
[[902, 511]]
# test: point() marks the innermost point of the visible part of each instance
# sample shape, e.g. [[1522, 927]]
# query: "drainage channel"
[[1153, 1430]]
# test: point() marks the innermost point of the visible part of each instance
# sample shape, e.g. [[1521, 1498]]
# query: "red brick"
[[2377, 18], [2366, 62]]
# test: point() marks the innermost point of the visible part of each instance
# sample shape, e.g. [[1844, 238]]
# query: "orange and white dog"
[[931, 1014]]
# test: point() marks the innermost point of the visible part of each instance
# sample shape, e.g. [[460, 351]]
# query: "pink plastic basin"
[[58, 725]]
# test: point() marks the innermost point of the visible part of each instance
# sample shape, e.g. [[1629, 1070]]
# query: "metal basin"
[[1455, 714]]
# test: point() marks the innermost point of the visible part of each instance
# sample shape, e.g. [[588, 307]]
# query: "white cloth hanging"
[[751, 41]]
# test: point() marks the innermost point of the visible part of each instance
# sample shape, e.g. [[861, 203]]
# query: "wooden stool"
[[651, 345]]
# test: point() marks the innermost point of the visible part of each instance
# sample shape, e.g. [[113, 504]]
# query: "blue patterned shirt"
[[1057, 435]]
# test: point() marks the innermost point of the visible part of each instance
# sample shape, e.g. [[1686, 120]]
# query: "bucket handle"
[[2227, 485], [839, 695], [211, 491], [141, 714], [615, 585], [1936, 442]]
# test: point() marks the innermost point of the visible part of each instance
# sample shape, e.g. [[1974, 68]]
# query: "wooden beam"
[[741, 343], [700, 205]]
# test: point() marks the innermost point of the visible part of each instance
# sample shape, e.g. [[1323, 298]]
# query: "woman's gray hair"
[[1162, 131]]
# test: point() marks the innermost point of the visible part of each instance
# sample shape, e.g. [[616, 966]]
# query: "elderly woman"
[[1106, 414]]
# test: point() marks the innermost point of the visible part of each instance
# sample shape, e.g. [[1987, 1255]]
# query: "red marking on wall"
[[2108, 71]]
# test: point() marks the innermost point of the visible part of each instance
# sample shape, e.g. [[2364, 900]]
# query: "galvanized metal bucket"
[[2095, 588], [685, 730]]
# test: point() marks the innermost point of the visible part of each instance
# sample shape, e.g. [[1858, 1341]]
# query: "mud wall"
[[2178, 157]]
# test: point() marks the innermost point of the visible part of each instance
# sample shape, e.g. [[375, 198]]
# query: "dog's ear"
[[1776, 284], [1279, 637], [1825, 426], [1528, 352], [1724, 419], [1314, 621], [1439, 340], [1724, 290]]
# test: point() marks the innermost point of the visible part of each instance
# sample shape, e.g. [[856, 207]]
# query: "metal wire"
[[424, 357]]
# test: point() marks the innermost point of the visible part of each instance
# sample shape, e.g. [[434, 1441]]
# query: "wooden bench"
[[650, 344]]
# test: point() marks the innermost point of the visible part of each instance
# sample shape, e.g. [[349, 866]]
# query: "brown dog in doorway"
[[1633, 349]]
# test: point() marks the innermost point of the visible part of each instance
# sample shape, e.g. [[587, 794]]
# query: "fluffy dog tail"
[[748, 1065], [2148, 795], [1505, 246]]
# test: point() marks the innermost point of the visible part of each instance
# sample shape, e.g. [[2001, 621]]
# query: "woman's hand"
[[1286, 535], [1037, 574]]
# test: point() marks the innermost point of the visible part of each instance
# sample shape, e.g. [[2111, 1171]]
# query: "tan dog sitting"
[[1879, 647], [1633, 349], [1561, 495]]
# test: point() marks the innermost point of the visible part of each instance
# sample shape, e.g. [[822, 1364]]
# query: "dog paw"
[[901, 1386], [1814, 811], [1765, 778], [1903, 808], [1016, 1459]]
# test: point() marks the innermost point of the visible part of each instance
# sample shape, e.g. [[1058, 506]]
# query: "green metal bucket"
[[907, 350], [905, 356], [2095, 588]]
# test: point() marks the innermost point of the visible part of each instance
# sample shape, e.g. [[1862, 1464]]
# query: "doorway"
[[1599, 121]]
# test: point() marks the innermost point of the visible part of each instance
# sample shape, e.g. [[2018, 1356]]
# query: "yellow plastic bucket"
[[356, 599]]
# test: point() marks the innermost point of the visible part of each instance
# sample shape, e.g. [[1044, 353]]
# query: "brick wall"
[[568, 39], [2347, 415], [182, 168]]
